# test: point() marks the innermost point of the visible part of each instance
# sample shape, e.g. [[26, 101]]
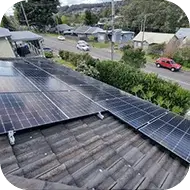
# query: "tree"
[[64, 19], [38, 12], [90, 18], [133, 57], [162, 16], [6, 22]]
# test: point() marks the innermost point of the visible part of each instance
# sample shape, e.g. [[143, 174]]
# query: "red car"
[[168, 63]]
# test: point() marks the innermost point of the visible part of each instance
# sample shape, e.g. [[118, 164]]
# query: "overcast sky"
[[67, 2]]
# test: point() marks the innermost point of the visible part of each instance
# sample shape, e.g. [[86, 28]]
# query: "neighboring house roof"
[[4, 32], [183, 32], [82, 29], [94, 30], [89, 153], [151, 37], [64, 27], [24, 36]]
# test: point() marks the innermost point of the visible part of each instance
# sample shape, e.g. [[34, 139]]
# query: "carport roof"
[[24, 36], [4, 32]]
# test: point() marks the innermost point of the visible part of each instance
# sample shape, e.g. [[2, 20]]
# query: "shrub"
[[48, 54], [147, 86], [182, 56], [156, 50], [133, 57]]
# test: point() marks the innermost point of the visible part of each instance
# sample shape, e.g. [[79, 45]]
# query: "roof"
[[82, 29], [4, 32], [89, 153], [94, 30], [64, 27], [24, 36], [183, 32], [151, 37]]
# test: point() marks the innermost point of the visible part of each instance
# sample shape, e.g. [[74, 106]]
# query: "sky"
[[66, 2]]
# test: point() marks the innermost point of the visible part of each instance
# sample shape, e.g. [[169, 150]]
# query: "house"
[[64, 29], [151, 38], [86, 151], [119, 36], [5, 44], [179, 40], [20, 43]]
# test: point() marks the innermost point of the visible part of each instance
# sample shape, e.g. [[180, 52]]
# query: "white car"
[[83, 47], [83, 42], [61, 38]]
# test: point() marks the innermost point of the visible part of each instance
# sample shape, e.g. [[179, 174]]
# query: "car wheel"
[[158, 65], [172, 69]]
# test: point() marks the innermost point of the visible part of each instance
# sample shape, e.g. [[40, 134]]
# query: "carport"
[[27, 38]]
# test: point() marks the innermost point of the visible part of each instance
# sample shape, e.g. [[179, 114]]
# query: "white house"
[[151, 38]]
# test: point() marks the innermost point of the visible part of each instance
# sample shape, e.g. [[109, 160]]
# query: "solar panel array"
[[69, 94], [31, 97]]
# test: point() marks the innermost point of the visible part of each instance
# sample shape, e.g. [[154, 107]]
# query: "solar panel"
[[70, 80], [49, 84], [8, 72], [171, 131], [74, 104], [19, 111], [15, 84]]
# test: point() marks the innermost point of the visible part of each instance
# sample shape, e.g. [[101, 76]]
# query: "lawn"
[[65, 63], [100, 45]]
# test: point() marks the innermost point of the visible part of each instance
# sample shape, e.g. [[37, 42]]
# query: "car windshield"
[[172, 62]]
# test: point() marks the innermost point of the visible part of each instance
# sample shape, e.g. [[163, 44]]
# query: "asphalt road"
[[182, 77]]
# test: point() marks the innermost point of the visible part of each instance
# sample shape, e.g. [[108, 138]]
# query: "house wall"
[[5, 48], [127, 37], [101, 37], [137, 44]]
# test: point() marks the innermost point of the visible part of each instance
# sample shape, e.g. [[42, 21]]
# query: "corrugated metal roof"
[[82, 29], [64, 27], [183, 32], [4, 32], [152, 37], [25, 36]]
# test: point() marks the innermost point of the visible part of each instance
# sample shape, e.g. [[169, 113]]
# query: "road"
[[182, 77]]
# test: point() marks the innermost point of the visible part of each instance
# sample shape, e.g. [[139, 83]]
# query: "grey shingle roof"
[[24, 36], [89, 153], [4, 32]]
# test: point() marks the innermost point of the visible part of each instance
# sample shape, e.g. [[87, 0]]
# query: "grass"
[[149, 59], [100, 45], [65, 63], [185, 68]]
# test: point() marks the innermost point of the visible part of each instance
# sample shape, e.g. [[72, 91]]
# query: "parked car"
[[83, 47], [61, 38], [82, 42], [168, 63]]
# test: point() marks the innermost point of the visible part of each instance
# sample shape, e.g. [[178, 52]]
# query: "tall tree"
[[90, 18], [38, 12], [6, 22]]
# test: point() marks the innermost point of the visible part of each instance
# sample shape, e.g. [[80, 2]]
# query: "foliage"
[[87, 70], [162, 16], [133, 57], [77, 59], [148, 86], [48, 54], [156, 50], [64, 19], [90, 18], [8, 23], [39, 12], [182, 56]]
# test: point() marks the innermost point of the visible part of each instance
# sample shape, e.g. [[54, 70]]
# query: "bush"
[[156, 50], [182, 56], [48, 54], [147, 86], [133, 57], [88, 70]]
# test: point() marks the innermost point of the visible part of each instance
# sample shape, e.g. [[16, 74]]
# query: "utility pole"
[[24, 13], [144, 28], [112, 42]]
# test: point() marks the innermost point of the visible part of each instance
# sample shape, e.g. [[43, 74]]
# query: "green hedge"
[[147, 86], [77, 59]]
